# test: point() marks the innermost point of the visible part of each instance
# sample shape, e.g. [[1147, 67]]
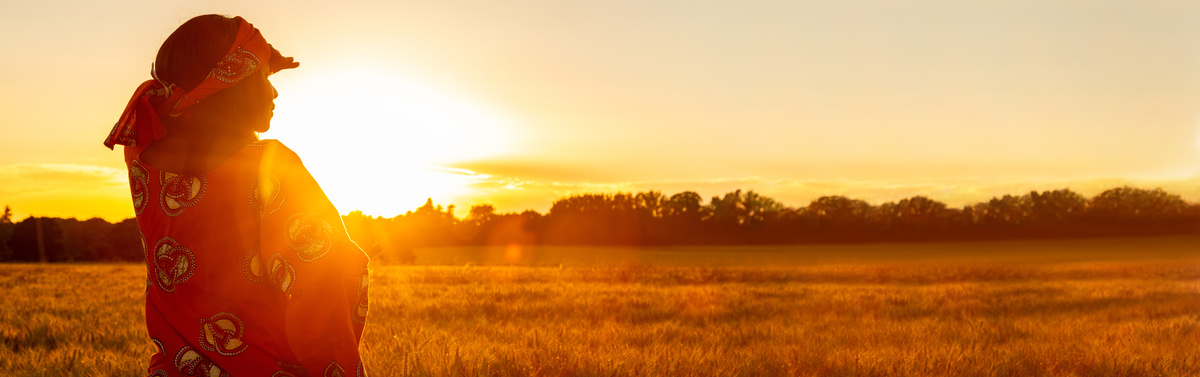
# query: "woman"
[[249, 268]]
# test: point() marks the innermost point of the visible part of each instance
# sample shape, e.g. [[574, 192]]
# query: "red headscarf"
[[140, 123]]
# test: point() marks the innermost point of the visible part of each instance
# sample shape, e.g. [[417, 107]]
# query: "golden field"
[[1121, 307]]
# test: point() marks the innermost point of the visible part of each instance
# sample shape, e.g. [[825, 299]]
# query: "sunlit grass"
[[1063, 316], [951, 320], [83, 320]]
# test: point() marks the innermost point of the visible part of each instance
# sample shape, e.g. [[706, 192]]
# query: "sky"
[[517, 103]]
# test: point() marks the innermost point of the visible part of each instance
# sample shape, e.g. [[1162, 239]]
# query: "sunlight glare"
[[382, 143]]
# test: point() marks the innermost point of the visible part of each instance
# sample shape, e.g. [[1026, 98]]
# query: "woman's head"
[[190, 52], [186, 59]]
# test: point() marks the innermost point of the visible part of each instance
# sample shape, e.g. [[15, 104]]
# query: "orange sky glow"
[[517, 103]]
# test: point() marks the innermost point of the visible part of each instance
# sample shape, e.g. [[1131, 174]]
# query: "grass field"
[[1125, 307]]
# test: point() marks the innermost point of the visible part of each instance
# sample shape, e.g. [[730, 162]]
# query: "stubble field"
[[1128, 307]]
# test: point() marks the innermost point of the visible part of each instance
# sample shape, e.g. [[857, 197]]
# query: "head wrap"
[[140, 123]]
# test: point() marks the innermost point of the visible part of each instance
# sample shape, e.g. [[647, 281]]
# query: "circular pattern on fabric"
[[147, 260], [222, 333], [252, 268], [275, 273], [192, 363], [139, 186], [280, 274], [309, 235], [359, 371], [359, 315], [173, 264], [266, 194], [123, 132], [145, 249], [282, 374], [159, 373], [180, 191], [236, 66], [334, 370], [158, 345]]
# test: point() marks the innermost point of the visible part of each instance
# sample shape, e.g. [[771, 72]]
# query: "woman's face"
[[267, 93]]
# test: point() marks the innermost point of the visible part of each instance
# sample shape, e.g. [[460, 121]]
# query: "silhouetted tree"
[[760, 209], [434, 225], [918, 213], [481, 214], [683, 218], [1007, 211], [125, 240], [729, 210], [1056, 207], [598, 219], [684, 205], [839, 213], [1127, 205], [649, 204], [6, 229], [738, 217], [84, 240], [513, 228], [24, 240]]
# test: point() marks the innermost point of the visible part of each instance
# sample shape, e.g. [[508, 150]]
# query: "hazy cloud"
[[65, 190], [50, 177]]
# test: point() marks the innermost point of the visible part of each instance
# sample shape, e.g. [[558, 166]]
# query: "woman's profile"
[[250, 271]]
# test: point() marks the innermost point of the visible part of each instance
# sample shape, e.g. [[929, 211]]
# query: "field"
[[1122, 307]]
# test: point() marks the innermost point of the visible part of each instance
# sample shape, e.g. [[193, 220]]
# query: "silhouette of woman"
[[249, 268]]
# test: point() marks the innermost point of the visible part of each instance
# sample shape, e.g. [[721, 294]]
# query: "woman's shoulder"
[[276, 157], [269, 144], [274, 148]]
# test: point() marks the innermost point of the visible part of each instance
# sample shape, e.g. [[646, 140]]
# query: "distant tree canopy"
[[652, 218], [70, 240], [37, 239], [6, 230]]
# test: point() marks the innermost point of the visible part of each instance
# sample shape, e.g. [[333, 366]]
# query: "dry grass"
[[61, 320], [1132, 314]]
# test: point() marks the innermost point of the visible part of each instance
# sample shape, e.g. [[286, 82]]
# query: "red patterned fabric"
[[140, 123], [250, 271]]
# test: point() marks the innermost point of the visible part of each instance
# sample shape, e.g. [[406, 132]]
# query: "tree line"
[[52, 239], [651, 218]]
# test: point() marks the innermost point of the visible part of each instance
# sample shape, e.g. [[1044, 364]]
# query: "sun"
[[382, 142]]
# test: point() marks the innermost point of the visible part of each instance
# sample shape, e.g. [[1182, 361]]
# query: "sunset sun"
[[383, 142]]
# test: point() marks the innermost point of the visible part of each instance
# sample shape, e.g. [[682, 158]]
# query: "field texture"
[[1047, 308]]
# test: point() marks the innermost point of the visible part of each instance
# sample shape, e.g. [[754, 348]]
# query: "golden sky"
[[520, 102]]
